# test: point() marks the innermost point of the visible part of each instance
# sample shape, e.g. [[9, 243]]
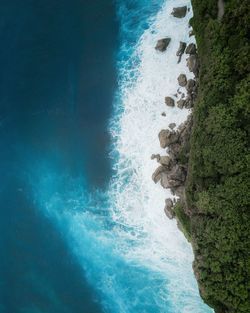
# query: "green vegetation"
[[218, 187], [183, 219]]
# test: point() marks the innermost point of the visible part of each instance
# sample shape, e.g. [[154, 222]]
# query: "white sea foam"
[[135, 258], [138, 202]]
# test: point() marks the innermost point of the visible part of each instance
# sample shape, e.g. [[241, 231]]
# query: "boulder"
[[169, 101], [182, 80], [191, 49], [163, 114], [181, 50], [179, 12], [193, 64], [158, 173], [166, 137], [181, 103], [172, 126], [190, 86], [162, 44], [165, 160], [155, 156], [168, 209]]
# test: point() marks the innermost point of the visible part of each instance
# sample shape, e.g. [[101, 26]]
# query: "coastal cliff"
[[215, 213], [207, 167]]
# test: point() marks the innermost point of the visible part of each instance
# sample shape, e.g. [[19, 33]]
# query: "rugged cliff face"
[[215, 214]]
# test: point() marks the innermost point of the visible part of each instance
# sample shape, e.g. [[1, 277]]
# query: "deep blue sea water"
[[61, 66]]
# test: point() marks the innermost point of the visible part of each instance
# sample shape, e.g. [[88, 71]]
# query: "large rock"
[[191, 49], [169, 208], [182, 80], [172, 126], [158, 173], [155, 156], [181, 103], [169, 101], [193, 64], [181, 50], [162, 44], [190, 86], [179, 12], [165, 161], [166, 137]]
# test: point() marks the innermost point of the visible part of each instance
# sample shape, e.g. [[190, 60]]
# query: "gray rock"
[[155, 156], [190, 86], [181, 50], [191, 49], [169, 208], [165, 160], [157, 175], [179, 12], [182, 80], [169, 101], [163, 114], [172, 125], [162, 44], [193, 64], [181, 103], [166, 137], [189, 104]]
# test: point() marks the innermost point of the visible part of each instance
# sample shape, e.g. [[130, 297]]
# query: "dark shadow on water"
[[57, 82]]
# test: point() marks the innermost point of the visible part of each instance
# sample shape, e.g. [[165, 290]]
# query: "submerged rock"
[[182, 80], [179, 12], [169, 101], [162, 44]]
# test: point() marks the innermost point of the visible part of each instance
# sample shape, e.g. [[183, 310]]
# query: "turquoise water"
[[83, 228]]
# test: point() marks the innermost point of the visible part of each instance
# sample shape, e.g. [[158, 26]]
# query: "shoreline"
[[206, 166]]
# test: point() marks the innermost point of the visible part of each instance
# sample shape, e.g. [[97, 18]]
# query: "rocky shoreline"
[[173, 168]]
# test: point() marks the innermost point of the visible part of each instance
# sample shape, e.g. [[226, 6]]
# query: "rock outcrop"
[[172, 171]]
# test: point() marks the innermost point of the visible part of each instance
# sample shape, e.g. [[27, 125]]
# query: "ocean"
[[82, 90]]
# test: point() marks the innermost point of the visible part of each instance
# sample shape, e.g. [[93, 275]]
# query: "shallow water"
[[83, 227]]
